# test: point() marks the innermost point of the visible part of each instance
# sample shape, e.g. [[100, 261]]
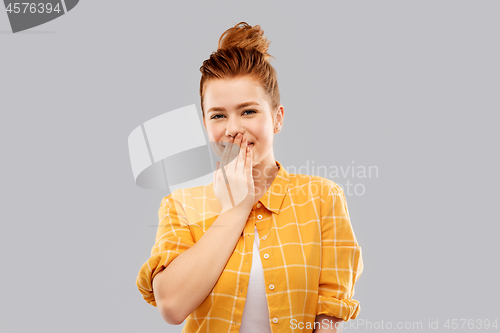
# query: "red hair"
[[242, 51]]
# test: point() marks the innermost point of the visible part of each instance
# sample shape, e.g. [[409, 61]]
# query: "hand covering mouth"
[[224, 143]]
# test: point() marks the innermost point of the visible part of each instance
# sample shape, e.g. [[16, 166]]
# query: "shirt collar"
[[273, 198]]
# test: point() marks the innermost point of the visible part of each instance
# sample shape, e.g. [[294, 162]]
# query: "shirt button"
[[271, 286], [259, 205], [264, 238], [275, 320], [259, 217], [266, 256]]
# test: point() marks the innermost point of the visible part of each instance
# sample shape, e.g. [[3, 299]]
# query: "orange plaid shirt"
[[310, 256]]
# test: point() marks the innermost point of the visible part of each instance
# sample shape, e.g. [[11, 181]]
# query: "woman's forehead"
[[234, 95]]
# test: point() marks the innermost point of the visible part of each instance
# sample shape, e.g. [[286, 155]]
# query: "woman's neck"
[[263, 176]]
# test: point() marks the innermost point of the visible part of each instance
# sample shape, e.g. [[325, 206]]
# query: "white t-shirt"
[[256, 313]]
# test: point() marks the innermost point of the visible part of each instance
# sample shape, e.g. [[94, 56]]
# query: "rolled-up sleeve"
[[341, 261], [172, 238]]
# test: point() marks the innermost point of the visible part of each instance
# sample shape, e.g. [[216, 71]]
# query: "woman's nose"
[[233, 128], [233, 134]]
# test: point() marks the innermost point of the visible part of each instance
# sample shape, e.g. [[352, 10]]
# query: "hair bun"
[[244, 36]]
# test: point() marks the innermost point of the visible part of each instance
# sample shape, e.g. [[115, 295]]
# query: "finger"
[[240, 166], [235, 148], [248, 165], [225, 156]]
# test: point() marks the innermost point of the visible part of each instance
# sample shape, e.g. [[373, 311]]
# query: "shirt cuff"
[[148, 271], [344, 309]]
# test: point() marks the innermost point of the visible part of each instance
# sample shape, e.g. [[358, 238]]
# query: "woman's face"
[[239, 105]]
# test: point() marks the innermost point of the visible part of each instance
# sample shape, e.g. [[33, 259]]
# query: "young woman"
[[259, 249]]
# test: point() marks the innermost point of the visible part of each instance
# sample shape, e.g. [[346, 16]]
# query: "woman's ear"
[[280, 115]]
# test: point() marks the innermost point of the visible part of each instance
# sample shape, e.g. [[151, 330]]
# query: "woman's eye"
[[216, 116]]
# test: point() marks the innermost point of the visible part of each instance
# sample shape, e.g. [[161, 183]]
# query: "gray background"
[[408, 86]]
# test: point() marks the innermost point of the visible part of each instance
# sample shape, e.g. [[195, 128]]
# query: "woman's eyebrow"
[[239, 106]]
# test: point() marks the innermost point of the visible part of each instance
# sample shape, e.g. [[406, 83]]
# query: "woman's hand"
[[233, 181]]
